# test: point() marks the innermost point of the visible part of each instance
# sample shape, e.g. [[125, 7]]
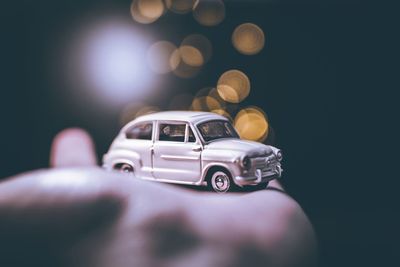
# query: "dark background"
[[311, 79]]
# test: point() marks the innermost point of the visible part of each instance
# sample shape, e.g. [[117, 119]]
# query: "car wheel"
[[221, 182], [124, 168]]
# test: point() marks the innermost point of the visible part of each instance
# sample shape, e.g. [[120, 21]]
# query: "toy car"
[[193, 148]]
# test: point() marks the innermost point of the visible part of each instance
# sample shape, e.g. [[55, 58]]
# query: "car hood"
[[252, 149]]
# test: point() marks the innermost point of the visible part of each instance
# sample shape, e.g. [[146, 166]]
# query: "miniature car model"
[[193, 148]]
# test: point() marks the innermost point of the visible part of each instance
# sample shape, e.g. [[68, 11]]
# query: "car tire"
[[220, 181], [124, 168]]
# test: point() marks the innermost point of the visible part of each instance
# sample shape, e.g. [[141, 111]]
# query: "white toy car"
[[193, 148]]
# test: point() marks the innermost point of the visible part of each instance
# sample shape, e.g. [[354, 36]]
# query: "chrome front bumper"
[[258, 176]]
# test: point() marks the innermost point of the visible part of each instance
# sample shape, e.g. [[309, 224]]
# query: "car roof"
[[189, 116]]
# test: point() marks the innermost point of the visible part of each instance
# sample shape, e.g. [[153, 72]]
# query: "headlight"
[[279, 155], [246, 163]]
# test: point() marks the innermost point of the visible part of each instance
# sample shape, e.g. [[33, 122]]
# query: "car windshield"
[[217, 129]]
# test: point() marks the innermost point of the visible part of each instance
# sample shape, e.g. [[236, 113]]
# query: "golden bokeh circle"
[[205, 103], [180, 6], [222, 112], [159, 57], [213, 92], [147, 11], [252, 124], [211, 96], [209, 12], [151, 8], [191, 56], [181, 69], [175, 59], [248, 39], [201, 43], [233, 86]]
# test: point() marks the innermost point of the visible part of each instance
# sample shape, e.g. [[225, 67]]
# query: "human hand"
[[77, 214]]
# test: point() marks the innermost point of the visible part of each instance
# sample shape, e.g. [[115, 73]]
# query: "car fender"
[[123, 156], [228, 166]]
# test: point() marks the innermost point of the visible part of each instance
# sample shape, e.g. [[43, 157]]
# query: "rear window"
[[141, 131]]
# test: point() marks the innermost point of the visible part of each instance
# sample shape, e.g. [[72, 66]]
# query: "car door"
[[138, 144], [176, 153]]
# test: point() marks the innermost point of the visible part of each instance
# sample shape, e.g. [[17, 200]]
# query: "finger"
[[72, 147]]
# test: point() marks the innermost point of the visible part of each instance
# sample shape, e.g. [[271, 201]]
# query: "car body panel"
[[168, 154]]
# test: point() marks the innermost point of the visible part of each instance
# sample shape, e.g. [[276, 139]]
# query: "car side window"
[[192, 138], [141, 131], [172, 132]]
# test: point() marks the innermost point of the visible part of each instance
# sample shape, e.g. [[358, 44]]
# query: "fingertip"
[[72, 147]]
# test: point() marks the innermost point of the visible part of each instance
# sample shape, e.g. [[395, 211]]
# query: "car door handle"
[[196, 149]]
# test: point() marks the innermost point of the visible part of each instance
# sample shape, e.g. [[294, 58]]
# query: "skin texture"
[[77, 214]]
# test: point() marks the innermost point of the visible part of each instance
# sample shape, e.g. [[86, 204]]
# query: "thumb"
[[72, 147]]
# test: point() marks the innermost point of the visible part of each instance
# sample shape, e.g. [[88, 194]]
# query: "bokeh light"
[[248, 39], [191, 56], [110, 59], [182, 69], [198, 49], [159, 57], [147, 11], [180, 6], [207, 99], [222, 112], [213, 92], [194, 51], [233, 86], [205, 103], [252, 124], [209, 12]]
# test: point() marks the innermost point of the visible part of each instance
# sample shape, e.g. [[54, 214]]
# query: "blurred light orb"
[[213, 92], [191, 56], [182, 69], [111, 58], [151, 8], [205, 103], [252, 124], [211, 96], [222, 112], [159, 57], [201, 44], [181, 102], [147, 11], [180, 6], [233, 86], [209, 12], [248, 39], [194, 51]]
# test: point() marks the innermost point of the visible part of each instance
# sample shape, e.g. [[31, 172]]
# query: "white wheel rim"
[[126, 168], [220, 182]]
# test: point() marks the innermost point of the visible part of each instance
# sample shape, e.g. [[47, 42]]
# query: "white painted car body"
[[190, 159]]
